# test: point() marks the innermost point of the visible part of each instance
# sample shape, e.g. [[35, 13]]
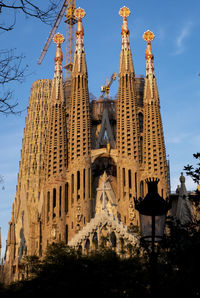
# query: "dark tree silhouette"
[[194, 173], [11, 67]]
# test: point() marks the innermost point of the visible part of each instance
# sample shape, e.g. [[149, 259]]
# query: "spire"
[[154, 155], [58, 39], [126, 64], [80, 138], [148, 36], [79, 57]]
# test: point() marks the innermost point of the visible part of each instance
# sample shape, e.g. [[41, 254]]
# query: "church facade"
[[84, 161]]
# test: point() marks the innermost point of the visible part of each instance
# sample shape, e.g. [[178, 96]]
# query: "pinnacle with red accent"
[[148, 36], [58, 39]]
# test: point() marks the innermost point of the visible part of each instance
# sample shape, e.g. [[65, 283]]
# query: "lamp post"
[[152, 211]]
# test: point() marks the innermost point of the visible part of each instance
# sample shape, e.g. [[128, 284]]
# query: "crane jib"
[[51, 35]]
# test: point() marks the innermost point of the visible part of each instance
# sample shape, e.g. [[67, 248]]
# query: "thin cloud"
[[181, 38]]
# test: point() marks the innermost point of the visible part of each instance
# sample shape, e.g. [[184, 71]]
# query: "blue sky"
[[176, 25]]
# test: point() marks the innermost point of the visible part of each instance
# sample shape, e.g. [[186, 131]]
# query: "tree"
[[11, 67], [194, 173]]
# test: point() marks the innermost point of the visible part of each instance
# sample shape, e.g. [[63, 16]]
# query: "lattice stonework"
[[57, 140], [32, 168], [154, 148]]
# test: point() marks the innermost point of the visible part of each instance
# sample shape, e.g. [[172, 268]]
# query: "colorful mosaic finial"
[[148, 36], [58, 39], [124, 13], [79, 14]]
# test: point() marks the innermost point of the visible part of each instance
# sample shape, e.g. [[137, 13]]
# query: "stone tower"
[[129, 159], [153, 147], [79, 135], [23, 234], [53, 211], [83, 161]]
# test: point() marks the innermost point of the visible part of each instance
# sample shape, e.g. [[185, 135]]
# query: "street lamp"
[[152, 211]]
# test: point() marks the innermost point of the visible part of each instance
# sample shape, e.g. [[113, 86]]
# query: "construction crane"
[[68, 7], [105, 89]]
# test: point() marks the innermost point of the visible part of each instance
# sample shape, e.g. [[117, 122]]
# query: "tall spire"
[[80, 134], [148, 36], [154, 155], [126, 64], [58, 39], [127, 132]]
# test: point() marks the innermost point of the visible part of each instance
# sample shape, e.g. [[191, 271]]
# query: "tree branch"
[[47, 16]]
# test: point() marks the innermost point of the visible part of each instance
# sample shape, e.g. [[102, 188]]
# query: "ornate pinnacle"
[[79, 14], [124, 13], [58, 39], [148, 36]]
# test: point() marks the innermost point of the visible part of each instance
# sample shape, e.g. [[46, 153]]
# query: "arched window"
[[54, 198], [129, 179], [78, 180], [54, 201], [140, 116], [142, 189], [66, 234], [141, 148], [87, 246], [66, 197], [95, 241], [113, 240], [60, 200]]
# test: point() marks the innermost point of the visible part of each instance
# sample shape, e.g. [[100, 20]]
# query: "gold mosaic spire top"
[[148, 36], [79, 14], [58, 39], [124, 13]]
